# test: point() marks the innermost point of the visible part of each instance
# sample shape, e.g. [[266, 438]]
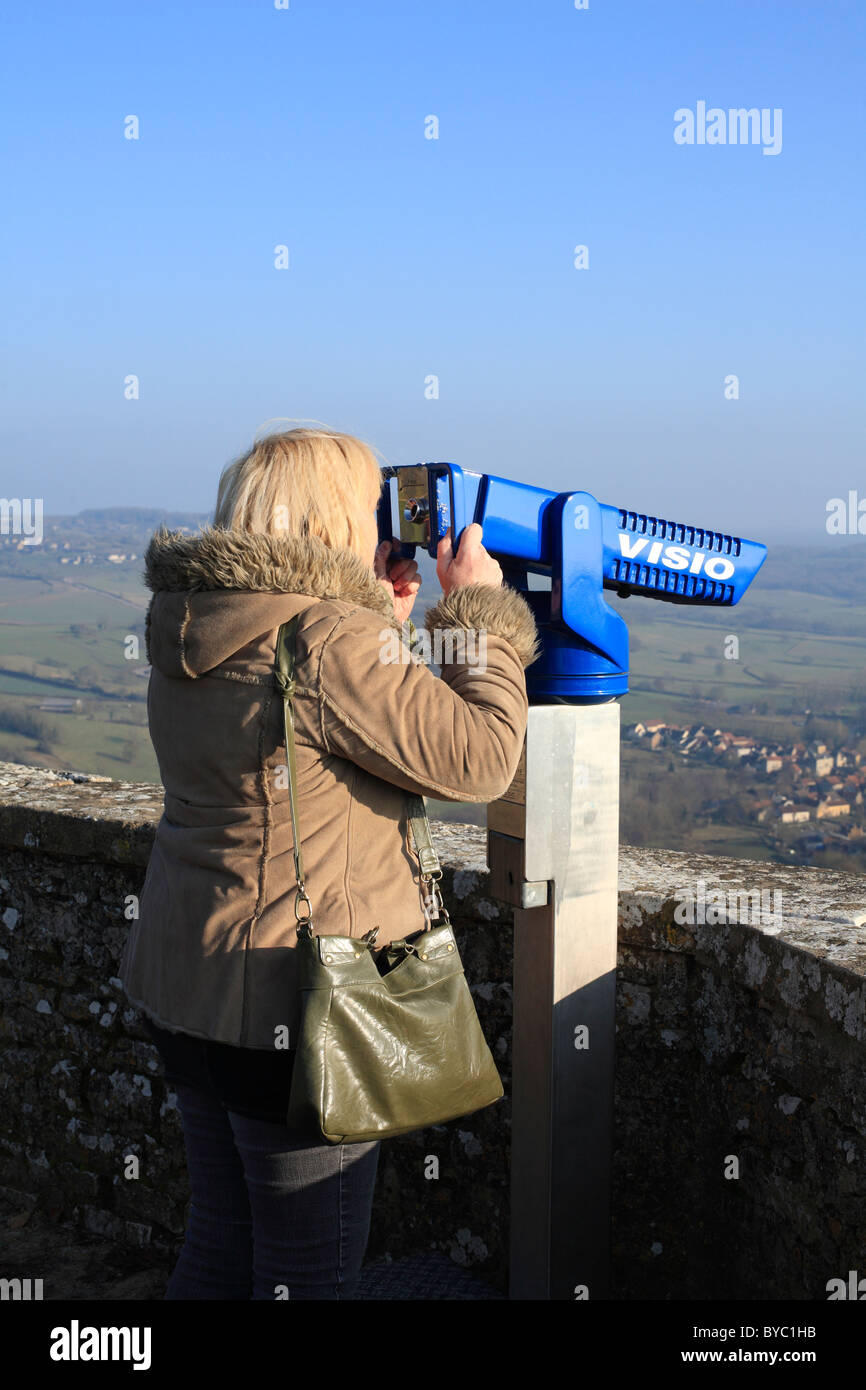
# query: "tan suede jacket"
[[212, 952]]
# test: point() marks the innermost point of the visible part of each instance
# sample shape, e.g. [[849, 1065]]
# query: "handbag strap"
[[284, 675], [431, 870]]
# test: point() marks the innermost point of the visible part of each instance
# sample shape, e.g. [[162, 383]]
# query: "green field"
[[65, 636], [678, 657]]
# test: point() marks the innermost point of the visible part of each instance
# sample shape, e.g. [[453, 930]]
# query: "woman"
[[211, 958]]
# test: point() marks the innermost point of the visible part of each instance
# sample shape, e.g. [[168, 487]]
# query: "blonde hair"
[[307, 482]]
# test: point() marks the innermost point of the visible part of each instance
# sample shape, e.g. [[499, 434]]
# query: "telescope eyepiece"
[[417, 509]]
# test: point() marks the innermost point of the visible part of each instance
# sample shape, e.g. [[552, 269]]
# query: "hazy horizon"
[[772, 538]]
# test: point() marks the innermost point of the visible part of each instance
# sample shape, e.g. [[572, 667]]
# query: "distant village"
[[116, 536], [69, 552], [818, 785]]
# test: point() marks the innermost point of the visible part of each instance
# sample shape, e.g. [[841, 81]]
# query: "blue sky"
[[452, 257]]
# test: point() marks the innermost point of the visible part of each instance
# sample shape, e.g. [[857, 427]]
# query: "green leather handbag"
[[389, 1040]]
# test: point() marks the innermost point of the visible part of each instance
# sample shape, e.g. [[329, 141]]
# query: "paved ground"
[[427, 1276], [34, 1244]]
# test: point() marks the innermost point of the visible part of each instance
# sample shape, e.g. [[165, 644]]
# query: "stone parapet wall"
[[740, 1047]]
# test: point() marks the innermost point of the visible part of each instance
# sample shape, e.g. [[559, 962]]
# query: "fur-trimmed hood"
[[215, 592], [258, 563]]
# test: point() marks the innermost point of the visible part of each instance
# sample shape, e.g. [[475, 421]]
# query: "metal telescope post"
[[552, 851]]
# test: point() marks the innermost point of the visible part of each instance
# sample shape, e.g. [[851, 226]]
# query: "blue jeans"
[[273, 1214]]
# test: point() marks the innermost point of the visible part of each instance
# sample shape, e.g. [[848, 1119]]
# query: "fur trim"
[[260, 563], [501, 612]]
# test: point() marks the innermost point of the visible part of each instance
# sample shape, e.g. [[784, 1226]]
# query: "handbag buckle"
[[304, 919], [432, 905], [429, 861]]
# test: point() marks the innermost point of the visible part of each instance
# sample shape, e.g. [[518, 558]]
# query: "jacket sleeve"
[[458, 738]]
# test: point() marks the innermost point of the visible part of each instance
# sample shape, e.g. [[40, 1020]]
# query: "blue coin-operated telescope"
[[583, 546]]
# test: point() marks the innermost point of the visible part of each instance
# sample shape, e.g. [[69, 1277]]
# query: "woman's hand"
[[472, 564], [402, 580]]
